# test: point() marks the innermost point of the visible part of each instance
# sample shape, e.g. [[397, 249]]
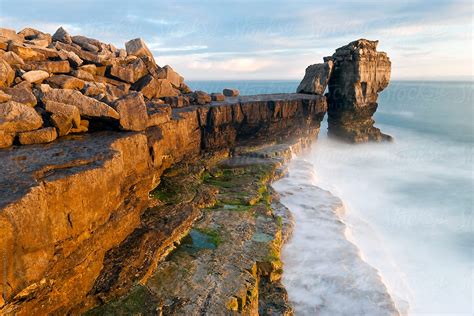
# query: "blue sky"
[[267, 39]]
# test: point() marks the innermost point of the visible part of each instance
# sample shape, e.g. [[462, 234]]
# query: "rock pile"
[[354, 75], [55, 85]]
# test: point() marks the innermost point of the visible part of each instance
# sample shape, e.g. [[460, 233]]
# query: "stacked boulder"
[[354, 75], [55, 85]]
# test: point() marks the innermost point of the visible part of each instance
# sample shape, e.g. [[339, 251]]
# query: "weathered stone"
[[63, 109], [6, 140], [87, 106], [230, 92], [360, 73], [72, 57], [173, 77], [22, 94], [49, 66], [17, 117], [165, 89], [132, 111], [62, 36], [62, 122], [316, 78], [184, 88], [86, 43], [174, 102], [26, 53], [81, 74], [158, 113], [217, 97], [12, 59], [94, 88], [137, 47], [10, 35], [91, 68], [4, 97], [36, 37], [147, 85], [130, 72], [201, 97], [7, 75], [40, 136], [65, 82], [84, 55], [35, 76]]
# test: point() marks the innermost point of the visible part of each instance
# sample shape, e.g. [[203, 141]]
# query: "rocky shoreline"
[[118, 180]]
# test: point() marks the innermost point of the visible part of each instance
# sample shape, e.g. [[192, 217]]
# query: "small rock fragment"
[[230, 92], [35, 76], [40, 136]]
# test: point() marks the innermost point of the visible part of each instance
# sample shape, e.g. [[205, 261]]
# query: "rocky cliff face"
[[72, 209], [354, 74]]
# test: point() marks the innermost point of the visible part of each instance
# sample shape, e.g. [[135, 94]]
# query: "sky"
[[212, 39]]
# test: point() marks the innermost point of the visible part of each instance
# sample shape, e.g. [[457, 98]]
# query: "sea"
[[383, 228]]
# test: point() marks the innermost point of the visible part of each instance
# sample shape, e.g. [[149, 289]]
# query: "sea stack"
[[354, 74]]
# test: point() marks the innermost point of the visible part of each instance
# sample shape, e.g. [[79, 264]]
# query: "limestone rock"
[[26, 53], [133, 112], [158, 113], [94, 88], [4, 97], [13, 59], [360, 73], [91, 68], [173, 77], [22, 94], [201, 97], [231, 92], [184, 88], [316, 78], [62, 122], [62, 36], [175, 102], [147, 85], [87, 106], [49, 66], [165, 89], [137, 47], [67, 110], [7, 75], [65, 82], [40, 136], [10, 35], [35, 76], [83, 75], [72, 57], [17, 117], [86, 43], [130, 72], [6, 140], [217, 97]]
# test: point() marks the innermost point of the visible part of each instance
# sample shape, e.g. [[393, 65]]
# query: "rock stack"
[[55, 85], [354, 74]]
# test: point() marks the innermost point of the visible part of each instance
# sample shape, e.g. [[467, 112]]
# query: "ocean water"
[[405, 220]]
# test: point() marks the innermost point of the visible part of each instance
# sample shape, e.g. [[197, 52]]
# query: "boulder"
[[62, 122], [26, 53], [165, 89], [7, 75], [173, 77], [92, 69], [6, 140], [12, 59], [86, 43], [40, 136], [49, 66], [137, 47], [36, 37], [231, 92], [35, 76], [184, 88], [62, 36], [87, 106], [217, 97], [22, 94], [72, 57], [83, 54], [65, 82], [133, 112], [17, 117], [174, 102], [130, 72], [316, 78], [94, 88], [158, 113], [201, 97], [10, 35], [4, 97], [63, 109], [83, 75]]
